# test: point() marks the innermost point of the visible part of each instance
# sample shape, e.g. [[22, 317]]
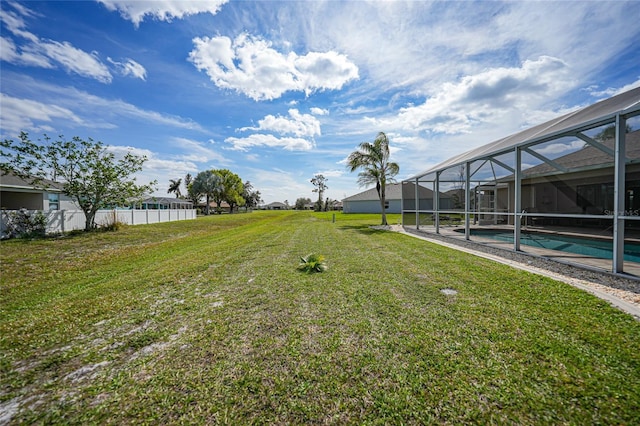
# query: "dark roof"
[[13, 181], [595, 115], [589, 157]]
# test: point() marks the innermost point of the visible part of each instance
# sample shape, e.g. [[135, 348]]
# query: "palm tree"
[[373, 160], [174, 186]]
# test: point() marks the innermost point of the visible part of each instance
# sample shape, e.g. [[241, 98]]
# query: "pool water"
[[585, 246]]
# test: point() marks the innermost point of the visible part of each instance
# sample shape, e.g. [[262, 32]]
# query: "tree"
[[301, 203], [609, 132], [320, 184], [251, 198], [373, 159], [192, 195], [231, 189], [208, 184], [88, 172], [174, 186]]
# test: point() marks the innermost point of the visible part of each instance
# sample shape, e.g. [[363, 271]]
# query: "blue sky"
[[280, 91]]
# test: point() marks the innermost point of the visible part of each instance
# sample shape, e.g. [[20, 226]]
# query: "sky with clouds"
[[278, 92]]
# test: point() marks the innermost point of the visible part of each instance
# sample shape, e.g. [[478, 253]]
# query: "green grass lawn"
[[209, 321]]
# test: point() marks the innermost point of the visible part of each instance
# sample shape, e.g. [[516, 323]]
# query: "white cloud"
[[72, 59], [280, 185], [612, 91], [14, 22], [319, 111], [130, 67], [10, 53], [422, 45], [26, 114], [332, 173], [45, 53], [300, 125], [295, 132], [156, 168], [162, 10], [74, 107], [553, 149], [251, 66], [197, 152], [288, 143], [483, 98]]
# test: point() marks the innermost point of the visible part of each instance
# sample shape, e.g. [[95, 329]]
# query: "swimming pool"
[[602, 249]]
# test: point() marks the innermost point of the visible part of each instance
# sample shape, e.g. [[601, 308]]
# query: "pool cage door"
[[487, 214]]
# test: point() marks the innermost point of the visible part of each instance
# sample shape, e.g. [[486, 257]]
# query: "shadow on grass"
[[363, 229]]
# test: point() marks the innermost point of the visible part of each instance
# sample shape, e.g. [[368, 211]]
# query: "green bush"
[[312, 263], [25, 224]]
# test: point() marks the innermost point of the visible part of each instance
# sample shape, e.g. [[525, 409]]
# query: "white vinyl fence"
[[70, 220]]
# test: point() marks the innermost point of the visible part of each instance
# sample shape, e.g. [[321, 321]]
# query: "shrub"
[[113, 223], [312, 263], [25, 224]]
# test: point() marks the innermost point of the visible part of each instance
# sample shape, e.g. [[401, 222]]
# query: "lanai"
[[580, 171]]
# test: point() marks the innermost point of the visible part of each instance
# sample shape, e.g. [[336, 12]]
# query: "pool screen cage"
[[577, 175]]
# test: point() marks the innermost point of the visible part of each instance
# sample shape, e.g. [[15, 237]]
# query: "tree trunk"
[[384, 212], [89, 219], [206, 208]]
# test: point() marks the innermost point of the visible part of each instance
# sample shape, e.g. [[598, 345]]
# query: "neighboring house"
[[164, 203], [16, 194], [369, 201], [213, 207], [223, 207], [276, 206], [335, 205]]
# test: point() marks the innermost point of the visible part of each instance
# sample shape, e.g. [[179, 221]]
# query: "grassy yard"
[[209, 321]]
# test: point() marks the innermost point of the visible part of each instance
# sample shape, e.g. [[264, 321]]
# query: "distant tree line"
[[217, 185]]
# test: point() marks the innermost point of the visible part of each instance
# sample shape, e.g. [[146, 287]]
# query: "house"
[[276, 206], [223, 207], [580, 182], [335, 205], [213, 207], [17, 193], [577, 174], [163, 203], [369, 202]]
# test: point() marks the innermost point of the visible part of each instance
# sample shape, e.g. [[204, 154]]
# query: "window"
[[386, 205], [54, 201]]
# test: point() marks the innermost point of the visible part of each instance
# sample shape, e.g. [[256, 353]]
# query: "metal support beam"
[[467, 200], [595, 144], [417, 205], [546, 160], [436, 202], [619, 195], [517, 200], [501, 164], [477, 168]]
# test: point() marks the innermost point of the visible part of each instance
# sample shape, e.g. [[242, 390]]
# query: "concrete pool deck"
[[625, 300]]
